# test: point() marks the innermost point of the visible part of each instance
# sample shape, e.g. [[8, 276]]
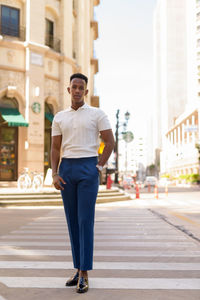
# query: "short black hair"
[[79, 75]]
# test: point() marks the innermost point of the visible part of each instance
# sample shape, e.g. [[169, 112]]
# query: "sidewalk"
[[12, 189]]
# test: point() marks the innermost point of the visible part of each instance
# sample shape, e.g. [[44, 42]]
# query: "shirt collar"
[[84, 106]]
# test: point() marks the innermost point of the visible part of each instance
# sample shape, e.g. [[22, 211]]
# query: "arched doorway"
[[10, 120], [47, 136]]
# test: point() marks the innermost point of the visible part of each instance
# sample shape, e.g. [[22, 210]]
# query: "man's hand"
[[57, 180]]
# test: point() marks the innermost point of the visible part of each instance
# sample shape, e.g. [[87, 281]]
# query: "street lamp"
[[127, 116]]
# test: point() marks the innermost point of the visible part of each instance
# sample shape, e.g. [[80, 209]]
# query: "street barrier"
[[137, 192], [156, 192], [109, 182], [166, 190]]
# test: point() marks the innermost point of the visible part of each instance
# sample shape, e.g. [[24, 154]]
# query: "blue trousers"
[[79, 198]]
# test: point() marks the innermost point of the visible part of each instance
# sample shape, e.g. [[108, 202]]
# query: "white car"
[[150, 180], [164, 181]]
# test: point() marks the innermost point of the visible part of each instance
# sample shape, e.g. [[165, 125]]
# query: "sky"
[[125, 53]]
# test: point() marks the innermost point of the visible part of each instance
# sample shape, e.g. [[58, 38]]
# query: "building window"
[[49, 33], [10, 21], [50, 39]]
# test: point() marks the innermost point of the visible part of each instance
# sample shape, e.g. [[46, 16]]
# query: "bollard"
[[109, 182], [156, 192], [137, 192], [149, 188], [166, 190]]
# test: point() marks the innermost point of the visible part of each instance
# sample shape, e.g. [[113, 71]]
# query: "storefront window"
[[8, 149], [8, 144], [47, 136]]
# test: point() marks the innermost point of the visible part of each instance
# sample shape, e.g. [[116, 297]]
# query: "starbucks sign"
[[36, 107]]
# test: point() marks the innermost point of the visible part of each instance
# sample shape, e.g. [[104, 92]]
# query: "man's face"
[[78, 90]]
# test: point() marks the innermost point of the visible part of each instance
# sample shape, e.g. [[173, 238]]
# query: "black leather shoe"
[[73, 280], [82, 286]]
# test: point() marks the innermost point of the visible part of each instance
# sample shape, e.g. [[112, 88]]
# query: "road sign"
[[128, 136]]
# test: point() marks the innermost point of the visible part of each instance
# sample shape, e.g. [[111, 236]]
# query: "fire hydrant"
[[109, 182]]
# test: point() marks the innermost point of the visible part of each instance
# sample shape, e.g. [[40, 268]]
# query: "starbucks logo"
[[36, 107]]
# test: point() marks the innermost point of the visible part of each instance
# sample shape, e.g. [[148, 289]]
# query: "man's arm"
[[55, 159], [108, 138]]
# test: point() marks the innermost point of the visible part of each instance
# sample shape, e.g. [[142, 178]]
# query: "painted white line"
[[113, 253], [101, 231], [62, 265], [106, 283], [126, 221], [103, 226], [108, 244], [97, 237], [111, 222]]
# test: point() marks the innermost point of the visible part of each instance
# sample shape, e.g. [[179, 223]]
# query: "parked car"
[[164, 181], [127, 182], [150, 181]]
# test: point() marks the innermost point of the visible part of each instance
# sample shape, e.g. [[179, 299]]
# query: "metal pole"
[[116, 148], [126, 161]]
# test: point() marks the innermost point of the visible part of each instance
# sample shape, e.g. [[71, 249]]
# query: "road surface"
[[144, 249]]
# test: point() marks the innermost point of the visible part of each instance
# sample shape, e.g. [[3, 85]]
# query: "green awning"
[[13, 117], [49, 116]]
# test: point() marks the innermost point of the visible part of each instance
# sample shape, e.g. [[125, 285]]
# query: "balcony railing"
[[52, 42], [18, 32]]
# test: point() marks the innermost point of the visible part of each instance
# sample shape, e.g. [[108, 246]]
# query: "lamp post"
[[127, 116], [116, 148]]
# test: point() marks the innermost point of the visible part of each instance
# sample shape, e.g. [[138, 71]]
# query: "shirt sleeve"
[[103, 122], [55, 129]]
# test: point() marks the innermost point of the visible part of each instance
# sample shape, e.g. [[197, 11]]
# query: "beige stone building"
[[180, 156], [42, 42]]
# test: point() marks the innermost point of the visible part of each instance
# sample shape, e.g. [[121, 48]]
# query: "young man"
[[75, 131]]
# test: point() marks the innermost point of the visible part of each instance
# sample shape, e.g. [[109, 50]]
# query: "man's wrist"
[[54, 174], [100, 168]]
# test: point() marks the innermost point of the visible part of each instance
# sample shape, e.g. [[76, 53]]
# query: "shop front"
[[10, 121], [47, 137]]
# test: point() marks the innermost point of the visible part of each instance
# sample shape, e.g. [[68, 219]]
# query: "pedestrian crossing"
[[134, 250]]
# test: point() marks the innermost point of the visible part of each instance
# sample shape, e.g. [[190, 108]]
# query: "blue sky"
[[125, 53]]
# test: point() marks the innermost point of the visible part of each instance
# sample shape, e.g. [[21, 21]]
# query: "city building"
[[176, 121], [181, 157], [133, 157], [42, 42]]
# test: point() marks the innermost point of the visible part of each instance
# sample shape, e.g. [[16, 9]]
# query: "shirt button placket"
[[74, 120]]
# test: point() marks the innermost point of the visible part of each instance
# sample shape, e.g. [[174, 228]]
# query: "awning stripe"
[[13, 117], [49, 116]]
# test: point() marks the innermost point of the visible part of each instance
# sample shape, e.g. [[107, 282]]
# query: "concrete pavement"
[[138, 255]]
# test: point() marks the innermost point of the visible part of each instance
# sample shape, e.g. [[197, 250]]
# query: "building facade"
[[42, 42], [176, 85], [181, 156]]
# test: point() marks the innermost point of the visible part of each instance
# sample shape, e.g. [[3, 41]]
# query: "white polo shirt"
[[80, 130]]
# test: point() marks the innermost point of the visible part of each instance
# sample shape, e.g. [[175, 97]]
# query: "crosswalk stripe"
[[98, 237], [106, 283], [113, 253], [108, 244], [101, 226], [108, 231], [101, 265]]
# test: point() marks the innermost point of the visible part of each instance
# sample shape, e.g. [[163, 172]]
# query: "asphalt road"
[[144, 249]]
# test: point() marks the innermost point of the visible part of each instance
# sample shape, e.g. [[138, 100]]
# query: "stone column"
[[66, 64], [35, 28]]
